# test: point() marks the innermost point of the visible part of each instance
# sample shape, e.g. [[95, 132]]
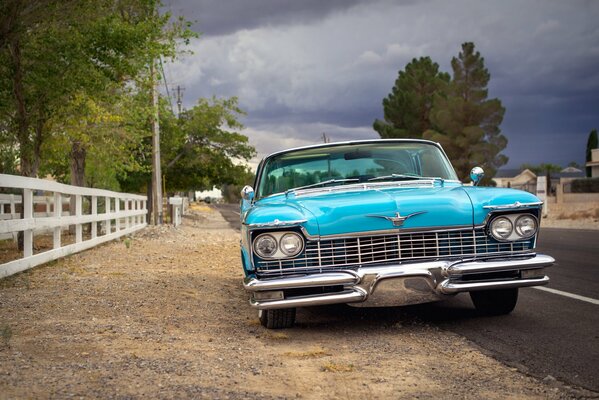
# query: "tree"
[[52, 52], [592, 143], [407, 107], [543, 169], [199, 150], [464, 121]]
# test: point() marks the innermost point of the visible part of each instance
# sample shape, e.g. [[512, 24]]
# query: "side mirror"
[[247, 193], [476, 174]]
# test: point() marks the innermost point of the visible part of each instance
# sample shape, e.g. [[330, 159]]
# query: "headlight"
[[265, 246], [526, 226], [501, 228], [291, 244]]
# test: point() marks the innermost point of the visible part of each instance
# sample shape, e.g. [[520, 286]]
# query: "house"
[[517, 179], [594, 163]]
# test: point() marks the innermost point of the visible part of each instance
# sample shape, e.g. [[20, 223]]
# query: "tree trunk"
[[78, 154], [21, 117]]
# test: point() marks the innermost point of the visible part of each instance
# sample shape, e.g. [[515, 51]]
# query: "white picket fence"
[[122, 214]]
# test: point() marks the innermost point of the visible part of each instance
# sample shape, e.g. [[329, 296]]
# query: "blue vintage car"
[[382, 223]]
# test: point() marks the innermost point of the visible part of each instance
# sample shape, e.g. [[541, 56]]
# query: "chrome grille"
[[350, 253]]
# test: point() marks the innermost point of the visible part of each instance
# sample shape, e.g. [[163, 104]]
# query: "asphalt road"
[[548, 334]]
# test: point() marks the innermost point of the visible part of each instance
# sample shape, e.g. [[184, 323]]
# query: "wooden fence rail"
[[121, 214]]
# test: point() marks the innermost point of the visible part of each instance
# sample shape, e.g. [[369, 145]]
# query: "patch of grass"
[[315, 353], [334, 367], [127, 242], [6, 334], [16, 281]]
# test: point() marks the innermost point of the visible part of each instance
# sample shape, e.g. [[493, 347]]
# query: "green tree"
[[407, 107], [199, 150], [592, 143], [465, 122], [53, 52]]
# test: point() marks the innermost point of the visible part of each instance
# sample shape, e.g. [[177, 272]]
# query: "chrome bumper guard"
[[400, 284]]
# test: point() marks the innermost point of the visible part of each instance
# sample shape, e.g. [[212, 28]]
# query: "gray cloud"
[[303, 68], [218, 17]]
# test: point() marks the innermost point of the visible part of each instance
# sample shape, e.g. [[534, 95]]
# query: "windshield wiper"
[[402, 176], [323, 183]]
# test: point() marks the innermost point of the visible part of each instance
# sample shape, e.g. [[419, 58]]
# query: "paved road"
[[548, 333]]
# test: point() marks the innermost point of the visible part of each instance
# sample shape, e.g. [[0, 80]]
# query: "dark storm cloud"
[[218, 17], [303, 68]]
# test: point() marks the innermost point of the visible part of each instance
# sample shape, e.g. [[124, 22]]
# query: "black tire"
[[277, 319], [495, 302]]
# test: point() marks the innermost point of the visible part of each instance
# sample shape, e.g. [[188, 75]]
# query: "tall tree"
[[592, 143], [407, 107], [52, 51], [464, 121]]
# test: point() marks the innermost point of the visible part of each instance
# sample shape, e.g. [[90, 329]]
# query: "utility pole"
[[325, 138], [179, 99], [156, 170]]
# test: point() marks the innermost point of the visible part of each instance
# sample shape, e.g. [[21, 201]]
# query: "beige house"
[[594, 163], [514, 178]]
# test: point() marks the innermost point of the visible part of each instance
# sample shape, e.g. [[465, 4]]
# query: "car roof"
[[365, 141]]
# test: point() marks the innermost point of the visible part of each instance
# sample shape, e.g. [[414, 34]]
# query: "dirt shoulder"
[[167, 317]]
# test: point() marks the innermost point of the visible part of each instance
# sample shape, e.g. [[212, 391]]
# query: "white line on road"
[[566, 294]]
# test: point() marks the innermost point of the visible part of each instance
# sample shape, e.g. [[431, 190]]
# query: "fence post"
[[117, 209], [78, 213], [126, 204], [13, 208], [94, 213], [27, 214], [107, 212], [57, 214]]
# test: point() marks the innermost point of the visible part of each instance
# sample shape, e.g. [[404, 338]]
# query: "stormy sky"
[[301, 68]]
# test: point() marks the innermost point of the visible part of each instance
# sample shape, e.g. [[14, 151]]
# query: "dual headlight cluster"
[[278, 244], [514, 227]]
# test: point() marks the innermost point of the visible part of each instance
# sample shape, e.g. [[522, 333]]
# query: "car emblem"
[[397, 220]]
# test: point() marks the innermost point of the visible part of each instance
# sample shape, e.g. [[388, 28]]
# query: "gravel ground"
[[164, 315]]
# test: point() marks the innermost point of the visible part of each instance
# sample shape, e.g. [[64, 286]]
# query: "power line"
[[166, 85]]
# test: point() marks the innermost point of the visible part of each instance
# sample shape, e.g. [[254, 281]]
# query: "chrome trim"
[[438, 279], [381, 232], [354, 187], [448, 287], [471, 267], [513, 206], [397, 219], [348, 296], [276, 224], [328, 279]]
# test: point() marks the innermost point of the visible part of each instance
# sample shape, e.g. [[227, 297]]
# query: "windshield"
[[347, 164]]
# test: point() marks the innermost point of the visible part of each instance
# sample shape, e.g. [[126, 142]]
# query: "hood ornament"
[[397, 220]]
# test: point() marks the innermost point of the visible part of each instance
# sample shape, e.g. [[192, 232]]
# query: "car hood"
[[359, 211]]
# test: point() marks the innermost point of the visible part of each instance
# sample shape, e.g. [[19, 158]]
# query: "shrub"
[[589, 185]]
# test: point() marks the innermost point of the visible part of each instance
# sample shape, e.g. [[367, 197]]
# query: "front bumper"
[[399, 284]]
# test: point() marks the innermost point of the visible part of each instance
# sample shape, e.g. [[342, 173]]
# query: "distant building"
[[565, 178], [594, 163], [517, 179]]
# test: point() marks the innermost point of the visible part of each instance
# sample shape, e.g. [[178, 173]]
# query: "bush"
[[589, 185]]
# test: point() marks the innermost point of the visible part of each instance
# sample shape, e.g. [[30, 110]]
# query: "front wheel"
[[277, 319], [495, 302]]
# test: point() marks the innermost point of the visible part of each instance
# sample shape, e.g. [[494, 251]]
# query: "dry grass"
[[334, 367]]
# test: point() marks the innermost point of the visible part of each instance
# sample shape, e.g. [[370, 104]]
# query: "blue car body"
[[417, 232]]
